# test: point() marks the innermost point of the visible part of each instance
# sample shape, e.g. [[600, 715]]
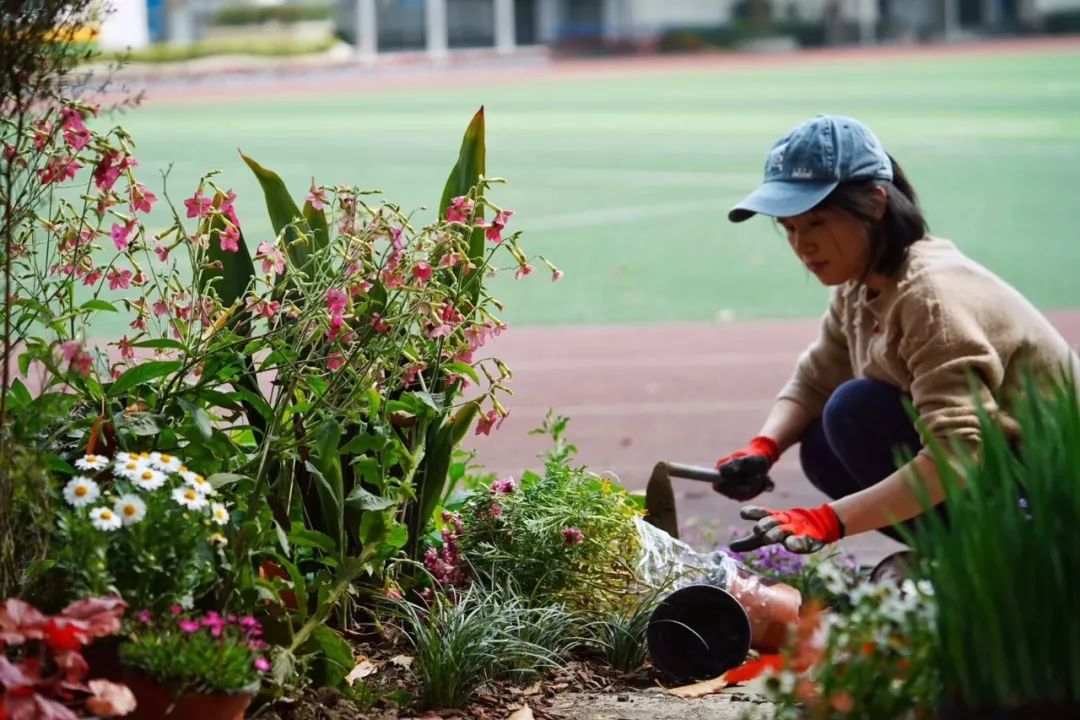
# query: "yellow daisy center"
[[106, 515], [81, 490], [199, 480], [130, 510], [91, 458], [183, 469], [166, 458], [147, 475], [191, 495], [144, 454], [131, 466]]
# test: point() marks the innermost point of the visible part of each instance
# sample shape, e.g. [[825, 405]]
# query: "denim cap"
[[809, 162]]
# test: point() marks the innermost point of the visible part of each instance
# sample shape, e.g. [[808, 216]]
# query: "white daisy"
[[122, 457], [199, 483], [219, 513], [165, 462], [130, 508], [130, 469], [104, 519], [148, 479], [81, 491], [92, 462], [190, 498], [218, 540]]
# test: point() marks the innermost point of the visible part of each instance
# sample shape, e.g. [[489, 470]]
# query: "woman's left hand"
[[799, 530]]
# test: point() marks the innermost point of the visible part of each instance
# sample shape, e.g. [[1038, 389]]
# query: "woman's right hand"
[[745, 472]]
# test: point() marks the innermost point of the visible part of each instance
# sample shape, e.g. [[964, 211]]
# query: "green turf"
[[624, 180]]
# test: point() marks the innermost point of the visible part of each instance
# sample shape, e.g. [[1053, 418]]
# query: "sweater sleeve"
[[823, 366], [953, 364]]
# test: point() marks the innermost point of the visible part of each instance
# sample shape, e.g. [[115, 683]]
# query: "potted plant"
[[1005, 567], [180, 665]]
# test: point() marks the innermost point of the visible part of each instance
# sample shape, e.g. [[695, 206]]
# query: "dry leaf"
[[701, 689], [402, 661], [363, 668], [523, 714], [533, 689]]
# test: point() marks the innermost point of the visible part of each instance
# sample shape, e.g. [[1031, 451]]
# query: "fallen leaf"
[[533, 689], [402, 661], [523, 714], [363, 668], [701, 689]]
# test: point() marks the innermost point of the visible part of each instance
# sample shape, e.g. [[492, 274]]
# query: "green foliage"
[[245, 14], [481, 634], [207, 654], [179, 52], [619, 636], [26, 517], [1006, 566]]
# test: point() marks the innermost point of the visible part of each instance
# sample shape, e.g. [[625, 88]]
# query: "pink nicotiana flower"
[[227, 209], [58, 169], [273, 259], [126, 351], [502, 487], [142, 200], [119, 279], [336, 301], [440, 331], [42, 131], [460, 209], [189, 626], [198, 205], [160, 250], [120, 235], [524, 270], [261, 664], [498, 224], [230, 239], [335, 361], [77, 138], [557, 275], [422, 272], [450, 259], [486, 423], [77, 358], [316, 196], [92, 276], [264, 308], [380, 325]]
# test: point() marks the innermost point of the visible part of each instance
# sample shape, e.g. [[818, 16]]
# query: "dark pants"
[[856, 441]]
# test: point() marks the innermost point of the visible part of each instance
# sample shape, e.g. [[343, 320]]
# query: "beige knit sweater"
[[942, 320]]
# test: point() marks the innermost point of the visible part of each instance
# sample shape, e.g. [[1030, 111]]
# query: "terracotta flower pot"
[[155, 700]]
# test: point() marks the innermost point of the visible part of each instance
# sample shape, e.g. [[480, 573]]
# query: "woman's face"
[[832, 244]]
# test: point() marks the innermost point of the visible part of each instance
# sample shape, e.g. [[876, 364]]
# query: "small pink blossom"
[[498, 224], [77, 358], [380, 325], [230, 239], [261, 664], [107, 171], [264, 308], [161, 251], [422, 272], [227, 208], [450, 259], [120, 235], [119, 279], [189, 626], [92, 277], [440, 331], [485, 423], [336, 301], [524, 270], [42, 132], [160, 308], [142, 200], [77, 138], [175, 609], [58, 169], [360, 288], [572, 536], [144, 617], [502, 487], [126, 351], [460, 209], [272, 258], [557, 275], [316, 196], [198, 205], [335, 361]]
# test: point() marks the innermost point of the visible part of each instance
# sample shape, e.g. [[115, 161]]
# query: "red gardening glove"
[[746, 472], [799, 530]]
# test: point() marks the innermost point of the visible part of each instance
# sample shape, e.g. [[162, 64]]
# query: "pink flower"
[[92, 277], [556, 275], [272, 258], [261, 664], [335, 361], [265, 308], [77, 138], [498, 224], [144, 617], [397, 238], [175, 609], [189, 626], [107, 171], [226, 208], [422, 272], [161, 308], [460, 209], [316, 196], [120, 235], [119, 279], [58, 169], [524, 270], [336, 301], [486, 422], [42, 133], [198, 205], [379, 324], [230, 239], [161, 251], [502, 487], [126, 351], [76, 357], [572, 536], [442, 330], [215, 622], [142, 200], [450, 259]]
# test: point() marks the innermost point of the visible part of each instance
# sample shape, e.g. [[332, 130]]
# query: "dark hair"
[[901, 225]]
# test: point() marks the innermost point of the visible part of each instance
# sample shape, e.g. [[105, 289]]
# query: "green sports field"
[[624, 179]]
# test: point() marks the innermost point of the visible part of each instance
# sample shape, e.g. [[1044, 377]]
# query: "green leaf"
[[284, 215], [141, 424], [159, 344], [19, 394], [98, 305], [465, 369], [320, 231], [237, 270], [335, 656], [361, 499], [397, 536], [143, 373], [282, 665], [306, 537], [470, 164], [221, 479]]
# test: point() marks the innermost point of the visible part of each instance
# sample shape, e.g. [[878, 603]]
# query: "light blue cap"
[[809, 162]]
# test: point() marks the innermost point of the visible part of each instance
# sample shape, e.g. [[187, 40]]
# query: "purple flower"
[[262, 664], [572, 536], [176, 609], [502, 487], [144, 617], [215, 622], [189, 626]]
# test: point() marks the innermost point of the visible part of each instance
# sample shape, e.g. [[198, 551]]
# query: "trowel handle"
[[693, 472]]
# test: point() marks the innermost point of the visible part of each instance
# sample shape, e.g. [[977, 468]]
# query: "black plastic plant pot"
[[698, 633], [1031, 711]]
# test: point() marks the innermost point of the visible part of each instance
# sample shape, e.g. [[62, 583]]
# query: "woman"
[[910, 320]]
